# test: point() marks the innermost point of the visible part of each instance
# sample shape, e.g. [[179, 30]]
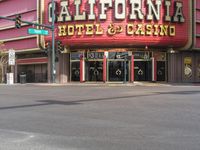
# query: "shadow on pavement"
[[78, 102]]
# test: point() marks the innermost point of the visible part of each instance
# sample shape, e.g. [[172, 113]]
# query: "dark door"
[[160, 70], [143, 71], [75, 71], [117, 70], [94, 71]]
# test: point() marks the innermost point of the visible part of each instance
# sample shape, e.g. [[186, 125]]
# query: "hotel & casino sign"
[[122, 22]]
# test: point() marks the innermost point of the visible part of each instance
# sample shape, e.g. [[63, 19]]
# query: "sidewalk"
[[99, 84], [107, 84]]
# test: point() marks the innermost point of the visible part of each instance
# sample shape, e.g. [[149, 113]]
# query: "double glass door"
[[94, 71]]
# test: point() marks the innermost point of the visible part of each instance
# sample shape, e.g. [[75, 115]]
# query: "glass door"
[[160, 70], [75, 65], [94, 71], [143, 70], [94, 66], [118, 66]]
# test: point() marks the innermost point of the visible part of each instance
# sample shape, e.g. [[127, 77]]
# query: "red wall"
[[28, 11], [122, 39]]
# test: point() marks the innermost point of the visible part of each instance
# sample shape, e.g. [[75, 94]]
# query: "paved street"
[[99, 117]]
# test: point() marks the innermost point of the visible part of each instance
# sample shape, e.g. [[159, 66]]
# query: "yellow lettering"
[[149, 29], [89, 29], [172, 30], [99, 29], [62, 30], [164, 30], [70, 30], [156, 32], [130, 29], [79, 28], [139, 30]]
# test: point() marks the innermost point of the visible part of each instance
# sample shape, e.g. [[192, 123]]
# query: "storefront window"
[[141, 55], [117, 55], [76, 56], [95, 55]]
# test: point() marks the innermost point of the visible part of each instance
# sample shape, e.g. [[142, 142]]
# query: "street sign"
[[11, 57], [37, 31]]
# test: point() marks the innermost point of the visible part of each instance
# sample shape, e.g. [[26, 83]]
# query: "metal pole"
[[53, 67]]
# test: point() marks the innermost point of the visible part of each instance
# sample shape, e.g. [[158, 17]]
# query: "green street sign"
[[37, 31]]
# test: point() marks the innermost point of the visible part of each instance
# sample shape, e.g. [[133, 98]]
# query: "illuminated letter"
[[79, 16], [163, 30], [99, 30], [178, 17], [148, 29], [136, 6], [89, 29], [167, 6], [70, 30], [120, 13], [155, 29], [64, 13], [130, 29], [104, 6], [62, 30], [153, 9], [91, 16], [139, 30], [172, 30], [79, 28]]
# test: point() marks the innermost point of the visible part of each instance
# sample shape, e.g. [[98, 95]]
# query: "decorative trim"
[[12, 26], [19, 38], [26, 50], [197, 21], [197, 35], [38, 60]]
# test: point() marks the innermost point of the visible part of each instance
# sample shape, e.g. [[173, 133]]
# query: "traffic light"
[[59, 47], [18, 21], [47, 47]]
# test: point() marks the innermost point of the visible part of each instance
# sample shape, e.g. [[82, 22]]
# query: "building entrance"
[[94, 71], [160, 70], [94, 66], [117, 69], [143, 70], [118, 66]]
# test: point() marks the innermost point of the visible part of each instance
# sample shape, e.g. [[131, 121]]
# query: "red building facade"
[[29, 58], [111, 41]]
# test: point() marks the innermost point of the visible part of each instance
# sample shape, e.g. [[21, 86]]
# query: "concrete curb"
[[108, 84]]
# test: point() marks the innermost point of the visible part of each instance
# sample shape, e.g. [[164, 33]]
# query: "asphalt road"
[[99, 117]]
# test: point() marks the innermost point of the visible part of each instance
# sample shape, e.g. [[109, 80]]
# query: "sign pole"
[[53, 67]]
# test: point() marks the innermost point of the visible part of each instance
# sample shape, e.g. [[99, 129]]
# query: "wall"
[[184, 67], [18, 39]]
